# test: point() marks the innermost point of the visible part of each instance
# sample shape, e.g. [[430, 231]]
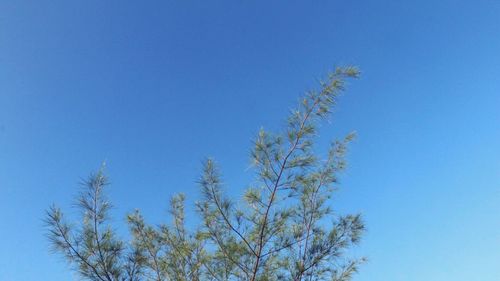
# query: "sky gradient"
[[153, 87]]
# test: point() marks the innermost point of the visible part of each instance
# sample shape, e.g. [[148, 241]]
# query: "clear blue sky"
[[152, 87]]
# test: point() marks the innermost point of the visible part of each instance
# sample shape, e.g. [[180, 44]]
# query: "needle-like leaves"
[[282, 229]]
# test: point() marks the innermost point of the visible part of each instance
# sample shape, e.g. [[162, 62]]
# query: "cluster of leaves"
[[283, 229]]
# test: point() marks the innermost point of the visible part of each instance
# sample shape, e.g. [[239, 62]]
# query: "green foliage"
[[283, 229], [93, 249]]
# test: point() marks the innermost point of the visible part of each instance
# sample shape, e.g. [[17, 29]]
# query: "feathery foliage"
[[283, 229]]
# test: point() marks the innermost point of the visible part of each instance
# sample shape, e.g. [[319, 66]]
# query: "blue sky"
[[152, 87]]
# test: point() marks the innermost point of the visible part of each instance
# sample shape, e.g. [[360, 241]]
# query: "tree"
[[284, 230]]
